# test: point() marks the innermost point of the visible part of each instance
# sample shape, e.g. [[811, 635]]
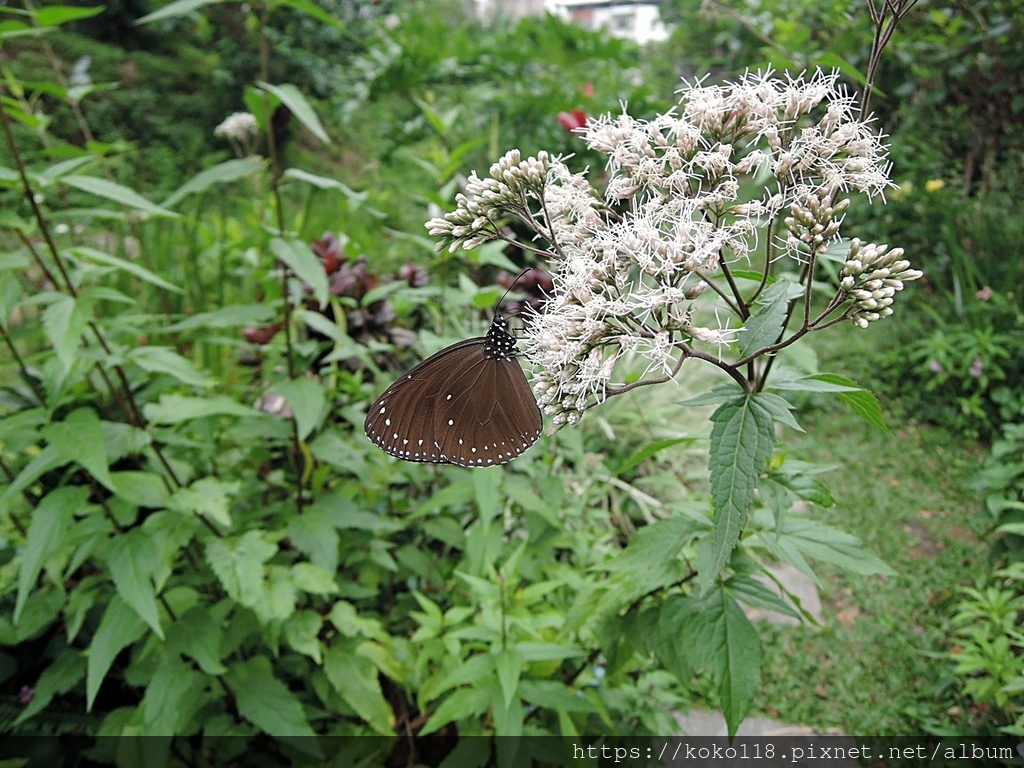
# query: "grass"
[[876, 665]]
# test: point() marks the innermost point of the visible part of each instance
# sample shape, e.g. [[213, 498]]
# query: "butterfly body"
[[469, 404]]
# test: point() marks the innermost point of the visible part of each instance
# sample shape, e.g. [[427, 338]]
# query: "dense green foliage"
[[176, 560]]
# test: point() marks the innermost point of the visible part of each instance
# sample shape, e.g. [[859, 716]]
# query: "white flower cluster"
[[240, 127], [627, 265], [871, 276]]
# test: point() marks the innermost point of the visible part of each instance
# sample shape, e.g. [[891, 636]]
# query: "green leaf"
[[732, 650], [207, 496], [143, 489], [47, 459], [508, 721], [741, 442], [315, 536], [170, 697], [99, 257], [223, 173], [199, 637], [463, 704], [318, 13], [64, 321], [267, 703], [238, 564], [764, 326], [301, 631], [509, 665], [119, 628], [132, 558], [116, 192], [825, 543], [754, 593], [355, 679], [60, 677], [355, 199], [79, 438], [235, 316], [863, 403], [47, 532], [313, 579], [174, 409], [292, 98], [56, 15], [304, 263], [649, 450], [178, 8], [780, 409], [166, 360], [307, 400]]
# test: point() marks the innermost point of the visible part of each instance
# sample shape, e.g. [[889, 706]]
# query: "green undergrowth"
[[875, 665]]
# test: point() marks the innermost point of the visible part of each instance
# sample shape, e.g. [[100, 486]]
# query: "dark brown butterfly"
[[470, 404]]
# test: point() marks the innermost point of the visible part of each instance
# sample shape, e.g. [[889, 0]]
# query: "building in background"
[[636, 20]]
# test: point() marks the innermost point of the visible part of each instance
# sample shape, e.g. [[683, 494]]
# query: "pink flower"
[[588, 89], [572, 120], [935, 366], [977, 367], [985, 293]]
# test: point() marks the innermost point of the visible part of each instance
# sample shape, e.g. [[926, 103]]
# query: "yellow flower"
[[934, 185]]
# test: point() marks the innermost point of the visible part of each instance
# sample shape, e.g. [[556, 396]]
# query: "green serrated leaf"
[[754, 593], [307, 401], [99, 257], [313, 579], [47, 532], [462, 704], [301, 631], [863, 403], [116, 192], [119, 628], [238, 565], [734, 655], [79, 438], [47, 459], [823, 542], [198, 636], [174, 409], [764, 326], [304, 263], [132, 558], [780, 409], [171, 690], [293, 98], [60, 677], [509, 665], [223, 173], [208, 496], [741, 442], [354, 677], [267, 703], [314, 535], [63, 322]]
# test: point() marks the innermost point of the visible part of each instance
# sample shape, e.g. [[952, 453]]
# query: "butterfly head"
[[498, 342]]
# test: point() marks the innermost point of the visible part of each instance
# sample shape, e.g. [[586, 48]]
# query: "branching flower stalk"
[[678, 257]]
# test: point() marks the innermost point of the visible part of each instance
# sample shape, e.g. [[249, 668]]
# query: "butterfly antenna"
[[513, 285]]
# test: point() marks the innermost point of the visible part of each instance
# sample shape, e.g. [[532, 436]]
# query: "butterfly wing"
[[486, 415], [401, 421]]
